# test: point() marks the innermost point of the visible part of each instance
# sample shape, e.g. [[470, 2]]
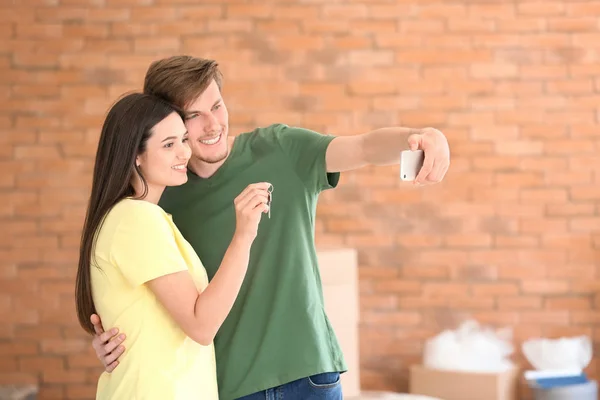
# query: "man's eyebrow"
[[200, 112]]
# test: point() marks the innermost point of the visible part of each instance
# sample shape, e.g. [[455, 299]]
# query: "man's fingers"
[[111, 367], [114, 356], [439, 170], [95, 320], [105, 336], [110, 346], [426, 168], [414, 141]]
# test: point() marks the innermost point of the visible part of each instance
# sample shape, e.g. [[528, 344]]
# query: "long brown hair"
[[125, 132]]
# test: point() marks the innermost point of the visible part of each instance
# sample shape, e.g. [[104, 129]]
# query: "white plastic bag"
[[567, 355], [470, 348]]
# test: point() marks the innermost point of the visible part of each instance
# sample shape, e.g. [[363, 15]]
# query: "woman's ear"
[[137, 161]]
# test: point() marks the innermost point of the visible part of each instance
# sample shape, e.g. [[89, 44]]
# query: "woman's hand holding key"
[[249, 205]]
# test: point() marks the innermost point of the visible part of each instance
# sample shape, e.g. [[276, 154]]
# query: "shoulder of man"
[[278, 134], [268, 132]]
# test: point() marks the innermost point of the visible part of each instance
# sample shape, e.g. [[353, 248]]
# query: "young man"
[[277, 340]]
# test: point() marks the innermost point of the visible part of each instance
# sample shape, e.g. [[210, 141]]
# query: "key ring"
[[270, 199]]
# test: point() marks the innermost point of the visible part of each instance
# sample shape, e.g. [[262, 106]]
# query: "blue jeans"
[[324, 386]]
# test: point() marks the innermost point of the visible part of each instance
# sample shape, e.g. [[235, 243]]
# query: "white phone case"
[[410, 164]]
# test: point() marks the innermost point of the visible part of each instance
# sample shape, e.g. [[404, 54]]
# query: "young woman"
[[137, 271]]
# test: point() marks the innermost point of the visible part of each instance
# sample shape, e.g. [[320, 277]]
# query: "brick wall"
[[510, 238]]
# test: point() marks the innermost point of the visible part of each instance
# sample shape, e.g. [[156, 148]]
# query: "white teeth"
[[211, 141], [179, 166]]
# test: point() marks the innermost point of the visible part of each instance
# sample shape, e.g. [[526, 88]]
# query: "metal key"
[[270, 190]]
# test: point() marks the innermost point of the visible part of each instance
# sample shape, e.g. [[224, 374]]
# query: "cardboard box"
[[455, 385]]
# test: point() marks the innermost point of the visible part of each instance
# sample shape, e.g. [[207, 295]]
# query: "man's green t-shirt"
[[277, 330]]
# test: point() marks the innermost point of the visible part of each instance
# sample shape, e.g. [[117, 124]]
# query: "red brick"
[[418, 240], [578, 86], [24, 91], [156, 45], [492, 10], [582, 131], [520, 241], [421, 26], [543, 72], [109, 15], [546, 317], [321, 26], [585, 317], [570, 209], [398, 318], [477, 303], [378, 302], [375, 27], [445, 289], [389, 11], [470, 25], [347, 42], [81, 391], [347, 225], [582, 8], [545, 287], [519, 302], [578, 71], [19, 347], [85, 30], [344, 11], [300, 42], [541, 8], [572, 24], [425, 271], [568, 303], [584, 224], [541, 195], [18, 378], [8, 364], [497, 318], [41, 364], [395, 41], [557, 332], [541, 225], [204, 11], [64, 376], [36, 60], [398, 286], [591, 192], [468, 240], [446, 57]]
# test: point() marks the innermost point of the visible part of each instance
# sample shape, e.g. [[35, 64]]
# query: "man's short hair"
[[181, 79]]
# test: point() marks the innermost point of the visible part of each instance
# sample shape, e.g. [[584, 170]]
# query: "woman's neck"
[[153, 192]]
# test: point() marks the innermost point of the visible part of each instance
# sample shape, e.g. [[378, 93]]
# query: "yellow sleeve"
[[144, 246]]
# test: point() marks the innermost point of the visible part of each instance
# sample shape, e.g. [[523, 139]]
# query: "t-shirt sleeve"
[[144, 246], [306, 150]]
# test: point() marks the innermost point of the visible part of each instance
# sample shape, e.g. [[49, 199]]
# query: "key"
[[270, 200]]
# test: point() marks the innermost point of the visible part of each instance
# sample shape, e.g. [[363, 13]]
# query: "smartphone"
[[411, 163]]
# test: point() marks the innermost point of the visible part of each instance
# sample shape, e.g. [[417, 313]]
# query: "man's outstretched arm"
[[383, 147]]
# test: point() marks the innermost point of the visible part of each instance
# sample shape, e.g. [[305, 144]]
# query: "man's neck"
[[206, 170]]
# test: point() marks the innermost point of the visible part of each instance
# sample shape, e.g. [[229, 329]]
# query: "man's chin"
[[213, 159]]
